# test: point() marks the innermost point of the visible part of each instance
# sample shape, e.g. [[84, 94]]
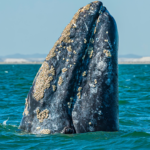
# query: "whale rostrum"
[[76, 88]]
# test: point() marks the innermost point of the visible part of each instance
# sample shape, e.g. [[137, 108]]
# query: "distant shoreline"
[[20, 63], [134, 63], [38, 63]]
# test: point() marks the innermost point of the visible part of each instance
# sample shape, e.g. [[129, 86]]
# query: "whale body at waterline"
[[76, 88]]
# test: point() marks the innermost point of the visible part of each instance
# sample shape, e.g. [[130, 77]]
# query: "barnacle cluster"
[[42, 115], [45, 131], [64, 70], [54, 87], [60, 81], [43, 80], [65, 37], [107, 53], [52, 70], [87, 7]]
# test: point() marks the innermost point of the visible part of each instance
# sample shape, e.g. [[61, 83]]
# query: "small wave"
[[128, 79], [6, 71], [5, 122]]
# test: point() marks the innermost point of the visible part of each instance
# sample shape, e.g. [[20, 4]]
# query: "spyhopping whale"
[[76, 88]]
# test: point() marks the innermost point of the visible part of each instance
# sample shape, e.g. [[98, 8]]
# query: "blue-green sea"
[[134, 113]]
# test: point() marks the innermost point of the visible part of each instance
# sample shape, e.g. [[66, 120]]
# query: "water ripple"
[[134, 97]]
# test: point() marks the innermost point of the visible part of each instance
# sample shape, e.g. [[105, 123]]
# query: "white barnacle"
[[60, 81], [84, 73], [74, 52], [38, 128], [54, 87], [95, 81], [69, 48], [79, 95], [85, 40], [79, 89]]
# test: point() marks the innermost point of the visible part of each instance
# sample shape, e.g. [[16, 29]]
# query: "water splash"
[[4, 122]]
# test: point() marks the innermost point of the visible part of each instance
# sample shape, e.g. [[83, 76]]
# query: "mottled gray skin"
[[97, 110]]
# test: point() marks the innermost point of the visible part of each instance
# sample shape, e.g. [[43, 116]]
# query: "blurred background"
[[29, 29]]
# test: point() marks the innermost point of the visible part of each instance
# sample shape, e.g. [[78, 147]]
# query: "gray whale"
[[76, 88]]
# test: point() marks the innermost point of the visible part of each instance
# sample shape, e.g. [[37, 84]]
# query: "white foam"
[[5, 122]]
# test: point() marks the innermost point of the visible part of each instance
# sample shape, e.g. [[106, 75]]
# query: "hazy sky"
[[33, 26]]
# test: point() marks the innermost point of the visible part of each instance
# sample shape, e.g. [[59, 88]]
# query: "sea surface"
[[134, 113]]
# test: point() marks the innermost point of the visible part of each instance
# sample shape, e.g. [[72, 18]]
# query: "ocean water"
[[134, 113]]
